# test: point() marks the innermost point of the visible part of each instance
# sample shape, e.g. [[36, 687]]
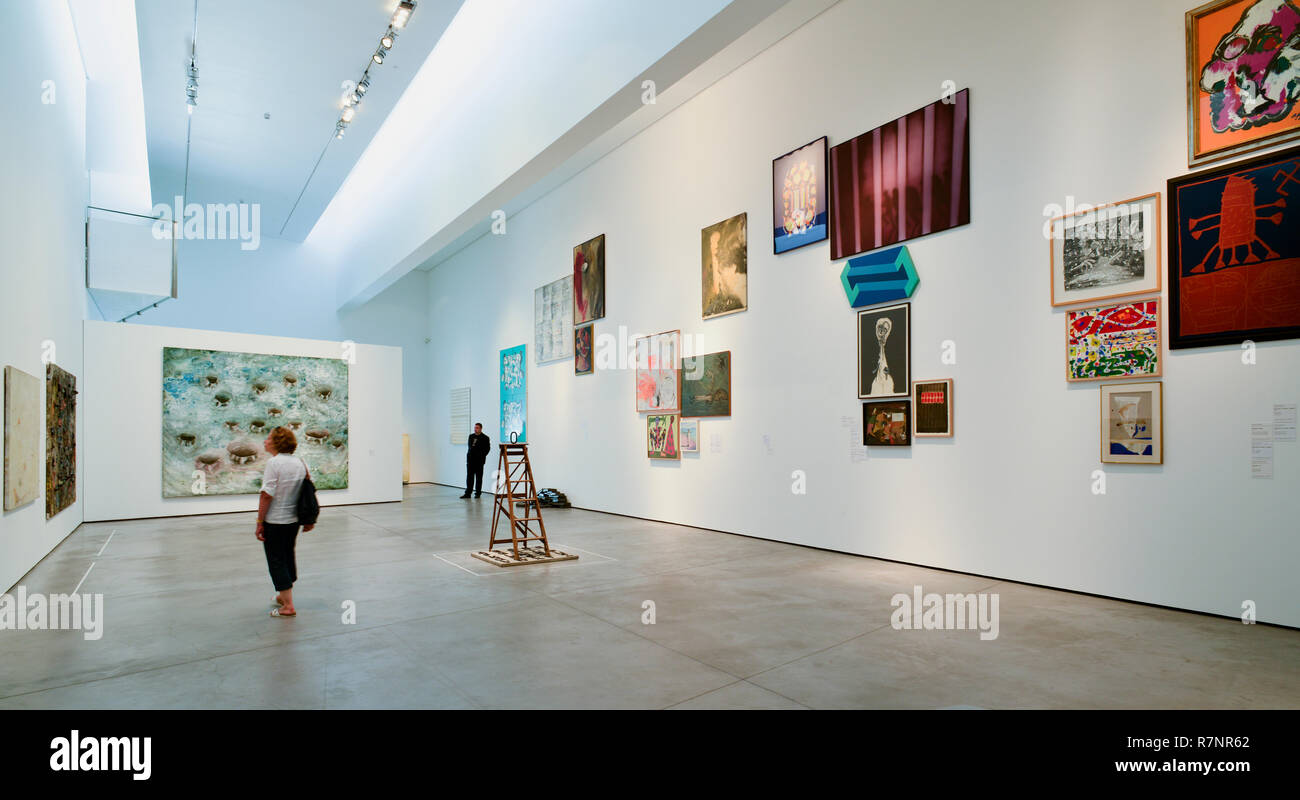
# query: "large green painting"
[[706, 385]]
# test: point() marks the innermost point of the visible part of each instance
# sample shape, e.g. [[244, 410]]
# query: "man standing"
[[479, 447]]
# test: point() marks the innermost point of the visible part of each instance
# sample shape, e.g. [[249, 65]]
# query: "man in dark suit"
[[479, 447]]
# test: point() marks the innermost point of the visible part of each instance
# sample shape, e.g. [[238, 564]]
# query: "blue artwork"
[[799, 204], [514, 395], [879, 277]]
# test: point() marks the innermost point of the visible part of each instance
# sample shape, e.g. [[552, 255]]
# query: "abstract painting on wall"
[[1243, 77], [1234, 252], [658, 373], [1132, 428], [218, 407], [799, 210], [553, 321], [661, 436], [589, 280], [887, 423], [1106, 252], [689, 435], [706, 385], [22, 438], [724, 267], [514, 395], [905, 179], [1118, 341], [60, 439], [584, 358], [885, 351], [932, 404]]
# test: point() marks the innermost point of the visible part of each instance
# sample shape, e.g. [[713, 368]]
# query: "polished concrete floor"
[[739, 623]]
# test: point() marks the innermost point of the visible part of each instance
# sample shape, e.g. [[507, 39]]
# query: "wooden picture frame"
[[928, 425], [1138, 323], [589, 280], [1123, 421], [801, 197], [896, 346], [657, 390], [711, 400], [662, 437], [887, 423], [584, 349], [1067, 256]]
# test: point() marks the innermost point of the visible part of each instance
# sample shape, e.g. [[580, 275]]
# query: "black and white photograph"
[[1106, 252], [885, 352]]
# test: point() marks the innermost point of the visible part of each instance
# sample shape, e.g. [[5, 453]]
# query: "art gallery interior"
[[549, 218]]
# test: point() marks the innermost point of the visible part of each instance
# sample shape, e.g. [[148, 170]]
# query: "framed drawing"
[[1132, 424], [905, 179], [885, 351], [1243, 77], [887, 423], [658, 372], [689, 435], [1121, 341], [1108, 252], [589, 280], [706, 385], [799, 210], [22, 438], [724, 267], [932, 403], [553, 321], [584, 358], [60, 439], [514, 395], [661, 436]]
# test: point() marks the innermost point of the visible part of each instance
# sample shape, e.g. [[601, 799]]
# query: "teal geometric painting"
[[879, 277], [514, 395]]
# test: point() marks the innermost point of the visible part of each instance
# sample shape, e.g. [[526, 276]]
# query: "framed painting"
[[514, 395], [1107, 252], [1132, 424], [658, 372], [584, 358], [553, 321], [22, 438], [706, 385], [1243, 74], [60, 439], [662, 436], [1120, 341], [799, 198], [932, 404], [885, 351], [908, 178], [1234, 253], [589, 280], [724, 275], [887, 423], [689, 435]]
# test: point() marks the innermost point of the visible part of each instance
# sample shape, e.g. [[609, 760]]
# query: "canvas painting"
[[724, 267], [908, 178], [514, 395], [589, 280], [706, 385], [799, 197], [689, 434], [1106, 252], [885, 351], [887, 423], [658, 373], [584, 357], [1243, 77], [932, 406], [1132, 428], [219, 406], [553, 321], [1113, 341], [22, 438], [60, 439], [1234, 253], [661, 436]]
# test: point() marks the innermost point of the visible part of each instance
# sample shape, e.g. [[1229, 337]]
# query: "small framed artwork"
[[583, 354], [799, 210], [589, 280], [932, 406], [662, 436], [1234, 252], [887, 423], [1242, 76], [658, 372], [706, 385], [1107, 252], [1132, 423], [885, 351], [724, 269], [1121, 341], [689, 435]]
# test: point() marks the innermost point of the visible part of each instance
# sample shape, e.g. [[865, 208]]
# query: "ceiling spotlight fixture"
[[402, 14], [339, 129], [349, 113], [386, 41], [363, 86], [192, 88], [378, 57], [352, 99]]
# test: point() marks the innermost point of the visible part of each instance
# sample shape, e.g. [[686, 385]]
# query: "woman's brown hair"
[[283, 440]]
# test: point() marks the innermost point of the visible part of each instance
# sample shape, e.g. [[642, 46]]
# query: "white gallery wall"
[[1065, 102], [123, 419]]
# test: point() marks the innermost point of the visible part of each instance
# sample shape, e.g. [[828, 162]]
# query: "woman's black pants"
[[279, 542]]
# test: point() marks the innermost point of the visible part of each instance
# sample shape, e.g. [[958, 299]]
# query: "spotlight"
[[387, 41], [403, 13], [378, 57], [363, 86], [349, 113]]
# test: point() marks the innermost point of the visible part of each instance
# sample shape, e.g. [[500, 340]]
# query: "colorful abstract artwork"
[[1234, 253], [514, 395], [60, 439], [706, 385], [661, 436], [880, 277], [589, 280], [885, 351], [1243, 77], [1132, 428], [887, 423], [219, 406], [1113, 341], [932, 406], [724, 267], [689, 434], [799, 198], [1106, 252], [658, 372], [553, 321], [22, 438], [902, 180], [584, 358]]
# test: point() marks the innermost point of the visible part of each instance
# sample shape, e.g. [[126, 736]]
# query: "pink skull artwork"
[[1254, 76]]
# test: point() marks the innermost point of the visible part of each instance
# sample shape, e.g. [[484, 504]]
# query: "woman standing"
[[277, 515]]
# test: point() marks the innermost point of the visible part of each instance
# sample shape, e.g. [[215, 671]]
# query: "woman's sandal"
[[276, 613]]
